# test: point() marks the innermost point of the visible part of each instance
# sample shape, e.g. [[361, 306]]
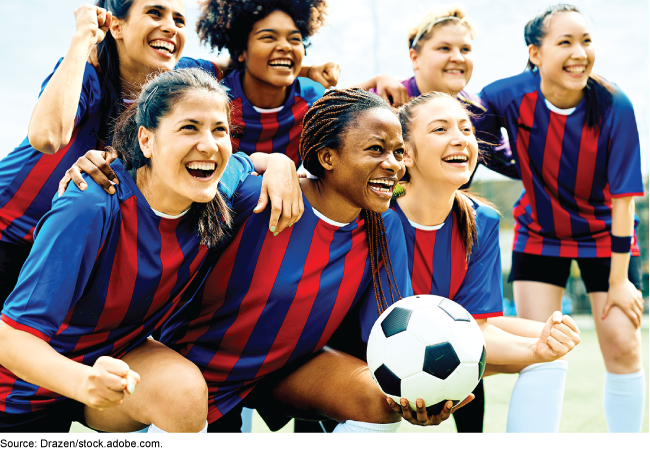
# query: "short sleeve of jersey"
[[399, 260], [67, 241], [237, 170], [481, 292], [208, 66], [624, 164], [90, 91], [310, 90]]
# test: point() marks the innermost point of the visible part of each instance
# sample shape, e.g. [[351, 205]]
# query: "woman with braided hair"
[[270, 303]]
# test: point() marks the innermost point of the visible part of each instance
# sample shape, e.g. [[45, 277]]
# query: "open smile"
[[281, 63], [576, 69], [165, 48], [382, 187], [201, 170], [456, 160]]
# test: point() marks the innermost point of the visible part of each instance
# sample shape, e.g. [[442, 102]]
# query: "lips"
[[202, 170], [576, 69], [454, 71], [281, 63], [456, 159]]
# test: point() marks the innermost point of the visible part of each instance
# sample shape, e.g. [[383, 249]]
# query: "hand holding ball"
[[426, 347]]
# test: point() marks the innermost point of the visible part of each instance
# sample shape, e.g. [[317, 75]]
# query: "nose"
[[579, 52], [390, 163], [168, 26], [206, 144], [456, 55], [459, 139], [283, 45]]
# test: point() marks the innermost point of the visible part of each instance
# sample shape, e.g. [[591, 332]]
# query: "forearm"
[[504, 348], [42, 366], [52, 121], [262, 160], [304, 71], [623, 226], [371, 83]]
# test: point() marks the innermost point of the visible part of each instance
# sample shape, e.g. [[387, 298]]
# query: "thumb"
[[262, 202], [606, 309]]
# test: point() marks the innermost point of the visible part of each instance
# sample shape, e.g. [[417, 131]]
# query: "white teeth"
[[454, 158], [201, 166], [575, 69], [388, 185], [163, 45], [280, 62], [454, 71]]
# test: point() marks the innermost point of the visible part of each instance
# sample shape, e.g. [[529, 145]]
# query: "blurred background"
[[368, 37]]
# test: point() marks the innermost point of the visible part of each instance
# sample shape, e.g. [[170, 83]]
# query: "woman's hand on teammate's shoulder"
[[92, 22], [626, 297], [281, 186], [96, 164], [559, 336], [106, 382], [326, 74], [421, 417], [391, 90]]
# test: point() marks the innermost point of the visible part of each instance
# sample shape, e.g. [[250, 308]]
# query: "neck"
[[133, 78], [425, 87], [329, 202], [262, 94], [158, 195], [560, 97], [426, 203]]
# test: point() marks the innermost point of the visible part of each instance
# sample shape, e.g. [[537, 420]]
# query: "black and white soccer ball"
[[426, 347]]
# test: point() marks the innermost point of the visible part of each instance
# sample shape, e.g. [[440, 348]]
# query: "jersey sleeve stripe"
[[616, 196], [29, 330], [487, 315]]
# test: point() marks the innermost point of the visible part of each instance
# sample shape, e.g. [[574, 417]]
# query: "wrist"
[[83, 40]]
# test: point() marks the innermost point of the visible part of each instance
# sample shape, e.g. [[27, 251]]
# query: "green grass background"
[[583, 399]]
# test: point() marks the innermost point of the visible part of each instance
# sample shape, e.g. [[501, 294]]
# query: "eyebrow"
[[570, 35], [194, 121], [164, 8], [446, 121], [271, 30]]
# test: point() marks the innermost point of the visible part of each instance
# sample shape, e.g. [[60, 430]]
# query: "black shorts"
[[555, 270], [57, 418]]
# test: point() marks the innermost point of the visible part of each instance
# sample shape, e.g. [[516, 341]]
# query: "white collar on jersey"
[[166, 216], [267, 110], [553, 108], [328, 220], [426, 228]]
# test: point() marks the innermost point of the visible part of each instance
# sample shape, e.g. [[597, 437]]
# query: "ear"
[[327, 158], [116, 28], [414, 59], [145, 138], [533, 54], [242, 57], [408, 159]]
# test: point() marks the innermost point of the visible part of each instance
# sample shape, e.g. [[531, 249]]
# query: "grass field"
[[583, 399]]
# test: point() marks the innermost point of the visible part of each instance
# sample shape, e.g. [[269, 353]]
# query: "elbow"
[[45, 141]]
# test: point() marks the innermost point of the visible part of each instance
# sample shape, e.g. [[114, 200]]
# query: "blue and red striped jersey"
[[29, 178], [104, 273], [438, 265], [570, 172], [270, 300], [268, 131]]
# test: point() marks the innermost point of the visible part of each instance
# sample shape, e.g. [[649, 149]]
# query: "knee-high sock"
[[153, 429], [359, 426], [624, 401], [536, 401]]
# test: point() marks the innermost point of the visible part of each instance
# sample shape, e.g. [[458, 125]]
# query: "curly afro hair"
[[227, 23]]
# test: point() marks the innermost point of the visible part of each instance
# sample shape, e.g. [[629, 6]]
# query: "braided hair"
[[324, 126], [227, 23], [157, 100], [598, 92]]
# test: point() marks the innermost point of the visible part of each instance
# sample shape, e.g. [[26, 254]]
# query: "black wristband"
[[621, 244]]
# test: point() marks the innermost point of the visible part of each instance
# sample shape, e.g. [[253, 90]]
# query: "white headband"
[[426, 30]]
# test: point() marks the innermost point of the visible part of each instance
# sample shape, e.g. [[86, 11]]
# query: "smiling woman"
[[106, 271]]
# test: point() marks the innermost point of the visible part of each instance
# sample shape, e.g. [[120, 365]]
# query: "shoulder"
[[237, 170], [392, 224], [512, 87], [620, 101], [309, 90], [487, 218]]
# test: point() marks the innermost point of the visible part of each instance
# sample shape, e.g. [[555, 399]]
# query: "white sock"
[[624, 401], [153, 429], [536, 401], [361, 427]]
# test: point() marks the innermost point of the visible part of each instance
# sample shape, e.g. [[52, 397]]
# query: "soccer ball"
[[426, 347]]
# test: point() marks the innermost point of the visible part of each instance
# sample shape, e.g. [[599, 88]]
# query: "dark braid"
[[324, 126]]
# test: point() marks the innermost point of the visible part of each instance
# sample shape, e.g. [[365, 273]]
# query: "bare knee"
[[372, 405], [623, 351]]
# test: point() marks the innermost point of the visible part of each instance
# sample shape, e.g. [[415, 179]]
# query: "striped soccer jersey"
[[570, 172], [270, 300], [29, 178], [268, 131], [437, 261], [104, 273]]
